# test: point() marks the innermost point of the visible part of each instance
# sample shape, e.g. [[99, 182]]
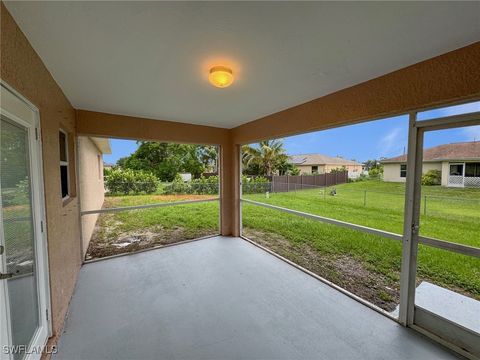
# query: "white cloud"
[[472, 133], [392, 143]]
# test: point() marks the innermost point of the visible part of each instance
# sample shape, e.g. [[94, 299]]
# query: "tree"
[[208, 157], [165, 160], [371, 164], [374, 168], [265, 158], [285, 167]]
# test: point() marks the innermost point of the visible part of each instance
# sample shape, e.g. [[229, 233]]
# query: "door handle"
[[5, 276]]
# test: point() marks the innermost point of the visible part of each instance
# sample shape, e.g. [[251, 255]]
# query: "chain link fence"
[[430, 204]]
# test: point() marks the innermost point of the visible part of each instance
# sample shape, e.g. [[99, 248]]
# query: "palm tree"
[[266, 155]]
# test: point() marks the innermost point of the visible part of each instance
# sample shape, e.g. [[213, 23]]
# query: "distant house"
[[320, 164], [108, 165], [459, 164]]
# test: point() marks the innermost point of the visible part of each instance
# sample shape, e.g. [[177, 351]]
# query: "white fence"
[[472, 181]]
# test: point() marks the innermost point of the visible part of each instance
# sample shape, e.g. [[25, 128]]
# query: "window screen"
[[456, 169], [63, 141], [472, 170]]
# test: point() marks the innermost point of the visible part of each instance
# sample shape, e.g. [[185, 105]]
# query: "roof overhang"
[[103, 144]]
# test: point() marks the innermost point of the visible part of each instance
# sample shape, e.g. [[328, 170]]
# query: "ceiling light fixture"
[[220, 76]]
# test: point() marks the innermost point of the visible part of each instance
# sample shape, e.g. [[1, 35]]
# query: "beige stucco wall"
[[23, 69], [391, 172], [307, 169], [350, 168], [427, 166], [445, 172], [90, 178]]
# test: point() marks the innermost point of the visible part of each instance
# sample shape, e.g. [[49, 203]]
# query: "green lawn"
[[451, 214]]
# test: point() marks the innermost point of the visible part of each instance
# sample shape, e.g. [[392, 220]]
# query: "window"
[[456, 169], [314, 169], [472, 170], [403, 170], [64, 170], [99, 164]]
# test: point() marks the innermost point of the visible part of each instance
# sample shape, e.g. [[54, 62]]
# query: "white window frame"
[[67, 164], [100, 168]]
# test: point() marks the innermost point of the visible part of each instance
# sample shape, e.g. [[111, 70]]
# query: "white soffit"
[[151, 59], [103, 144]]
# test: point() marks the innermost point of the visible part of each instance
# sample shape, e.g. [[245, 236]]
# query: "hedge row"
[[127, 181], [210, 185]]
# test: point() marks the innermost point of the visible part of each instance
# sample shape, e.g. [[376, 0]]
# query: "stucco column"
[[230, 189]]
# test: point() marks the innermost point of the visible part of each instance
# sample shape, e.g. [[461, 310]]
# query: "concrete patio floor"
[[223, 298]]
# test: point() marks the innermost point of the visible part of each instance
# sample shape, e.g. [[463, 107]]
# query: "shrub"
[[200, 186], [22, 192], [19, 195], [432, 177], [255, 185], [338, 170], [209, 185], [128, 181], [107, 171], [205, 185], [145, 182], [295, 171], [375, 173]]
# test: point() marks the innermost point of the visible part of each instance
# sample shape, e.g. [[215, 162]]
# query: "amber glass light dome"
[[220, 76]]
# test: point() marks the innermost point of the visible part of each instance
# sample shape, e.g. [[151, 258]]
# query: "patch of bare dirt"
[[344, 271], [107, 241]]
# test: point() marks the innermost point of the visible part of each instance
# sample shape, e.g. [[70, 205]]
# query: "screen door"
[[22, 272]]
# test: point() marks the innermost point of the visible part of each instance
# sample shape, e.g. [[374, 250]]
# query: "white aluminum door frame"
[[5, 334], [11, 102], [463, 174], [412, 203]]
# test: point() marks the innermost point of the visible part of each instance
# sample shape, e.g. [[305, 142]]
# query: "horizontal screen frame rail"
[[331, 221], [440, 244], [148, 206]]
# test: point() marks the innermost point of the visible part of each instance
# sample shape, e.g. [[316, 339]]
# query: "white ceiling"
[[151, 59]]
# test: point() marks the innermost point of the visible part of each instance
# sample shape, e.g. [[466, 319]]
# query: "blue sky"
[[371, 140]]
